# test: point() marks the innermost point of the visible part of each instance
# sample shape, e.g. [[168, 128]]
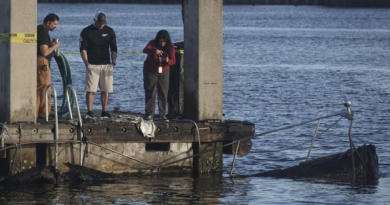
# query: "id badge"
[[160, 69]]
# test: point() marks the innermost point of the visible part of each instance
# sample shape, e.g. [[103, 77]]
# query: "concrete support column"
[[211, 159], [203, 49], [18, 54]]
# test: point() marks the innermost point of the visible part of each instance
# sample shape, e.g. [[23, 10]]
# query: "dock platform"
[[119, 144]]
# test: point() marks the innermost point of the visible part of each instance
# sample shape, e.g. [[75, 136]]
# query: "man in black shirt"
[[45, 48], [96, 41]]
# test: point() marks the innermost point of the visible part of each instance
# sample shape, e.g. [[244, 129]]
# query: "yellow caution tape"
[[12, 40], [119, 52], [70, 52], [30, 38], [128, 52], [19, 35]]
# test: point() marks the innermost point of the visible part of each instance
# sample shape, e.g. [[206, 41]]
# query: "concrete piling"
[[203, 46], [18, 51]]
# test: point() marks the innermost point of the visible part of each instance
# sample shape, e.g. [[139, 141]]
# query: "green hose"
[[66, 75]]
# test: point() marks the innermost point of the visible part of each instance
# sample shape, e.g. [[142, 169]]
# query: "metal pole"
[[314, 138], [234, 158], [352, 150], [79, 115], [56, 122]]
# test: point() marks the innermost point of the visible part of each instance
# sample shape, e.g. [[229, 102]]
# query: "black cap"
[[100, 18]]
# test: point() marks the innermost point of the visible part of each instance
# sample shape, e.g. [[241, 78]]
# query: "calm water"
[[282, 65]]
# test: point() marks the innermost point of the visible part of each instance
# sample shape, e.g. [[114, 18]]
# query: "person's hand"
[[167, 59], [56, 45], [159, 52]]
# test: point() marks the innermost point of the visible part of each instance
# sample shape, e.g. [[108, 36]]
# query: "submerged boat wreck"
[[358, 165]]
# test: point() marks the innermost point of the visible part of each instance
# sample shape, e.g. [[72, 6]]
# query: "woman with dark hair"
[[161, 55]]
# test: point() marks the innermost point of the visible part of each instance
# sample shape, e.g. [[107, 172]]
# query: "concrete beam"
[[203, 49], [18, 51]]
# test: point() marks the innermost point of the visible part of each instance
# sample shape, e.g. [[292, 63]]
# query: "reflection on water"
[[211, 189], [143, 190]]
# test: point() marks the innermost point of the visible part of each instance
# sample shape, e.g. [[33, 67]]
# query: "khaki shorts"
[[99, 74]]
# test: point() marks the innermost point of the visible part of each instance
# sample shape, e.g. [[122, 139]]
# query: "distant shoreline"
[[338, 3]]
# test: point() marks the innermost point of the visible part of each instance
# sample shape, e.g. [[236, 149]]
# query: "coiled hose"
[[66, 75]]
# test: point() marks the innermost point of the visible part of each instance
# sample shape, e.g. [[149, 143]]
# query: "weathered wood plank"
[[129, 132]]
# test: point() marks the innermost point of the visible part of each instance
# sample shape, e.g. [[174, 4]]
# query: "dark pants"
[[154, 82]]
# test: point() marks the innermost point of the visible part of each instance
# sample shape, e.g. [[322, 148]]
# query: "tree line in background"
[[344, 3]]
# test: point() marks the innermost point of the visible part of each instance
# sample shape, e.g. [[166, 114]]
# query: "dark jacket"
[[152, 61], [98, 42]]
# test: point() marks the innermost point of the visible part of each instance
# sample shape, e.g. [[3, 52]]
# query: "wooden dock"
[[118, 145]]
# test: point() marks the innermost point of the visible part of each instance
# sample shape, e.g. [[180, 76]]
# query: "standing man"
[[96, 41], [45, 51]]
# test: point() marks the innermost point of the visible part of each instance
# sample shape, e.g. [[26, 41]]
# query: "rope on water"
[[186, 152], [250, 137], [16, 145], [301, 144], [137, 160]]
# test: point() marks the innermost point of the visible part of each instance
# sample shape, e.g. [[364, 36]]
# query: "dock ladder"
[[80, 121], [56, 122]]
